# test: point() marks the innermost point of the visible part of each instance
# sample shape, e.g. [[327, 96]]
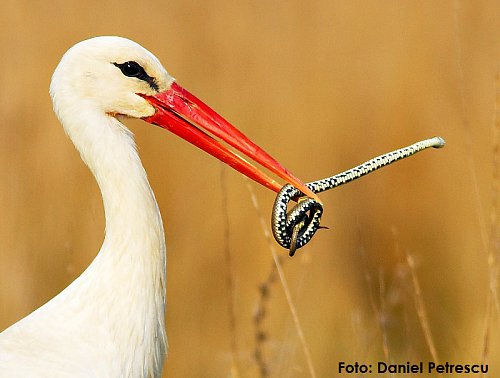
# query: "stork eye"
[[134, 69], [131, 69]]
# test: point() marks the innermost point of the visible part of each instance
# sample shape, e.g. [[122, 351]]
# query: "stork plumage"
[[109, 322]]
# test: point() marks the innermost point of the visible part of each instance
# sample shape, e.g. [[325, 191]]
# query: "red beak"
[[182, 113]]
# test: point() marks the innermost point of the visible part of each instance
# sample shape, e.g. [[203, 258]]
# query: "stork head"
[[108, 72], [115, 76]]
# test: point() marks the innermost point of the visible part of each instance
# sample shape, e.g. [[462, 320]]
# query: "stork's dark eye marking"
[[134, 69]]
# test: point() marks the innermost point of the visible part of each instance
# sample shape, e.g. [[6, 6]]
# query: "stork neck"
[[110, 152], [134, 230], [130, 269]]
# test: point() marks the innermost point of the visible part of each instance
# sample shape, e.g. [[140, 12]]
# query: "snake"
[[295, 228]]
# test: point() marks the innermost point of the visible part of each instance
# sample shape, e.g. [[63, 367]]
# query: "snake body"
[[294, 229]]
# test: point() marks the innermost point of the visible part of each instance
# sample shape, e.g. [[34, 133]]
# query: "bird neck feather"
[[130, 267]]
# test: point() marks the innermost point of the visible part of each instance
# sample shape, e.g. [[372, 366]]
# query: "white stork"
[[109, 322]]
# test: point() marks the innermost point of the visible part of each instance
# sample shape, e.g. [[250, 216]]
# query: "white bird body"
[[91, 327], [110, 321]]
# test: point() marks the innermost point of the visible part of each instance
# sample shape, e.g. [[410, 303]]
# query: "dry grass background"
[[321, 85]]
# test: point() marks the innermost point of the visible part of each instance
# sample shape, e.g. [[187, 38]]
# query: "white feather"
[[110, 321]]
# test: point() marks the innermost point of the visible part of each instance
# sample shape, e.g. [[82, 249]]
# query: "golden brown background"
[[321, 85]]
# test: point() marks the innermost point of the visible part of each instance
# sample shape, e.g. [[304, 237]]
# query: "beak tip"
[[316, 198], [307, 192]]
